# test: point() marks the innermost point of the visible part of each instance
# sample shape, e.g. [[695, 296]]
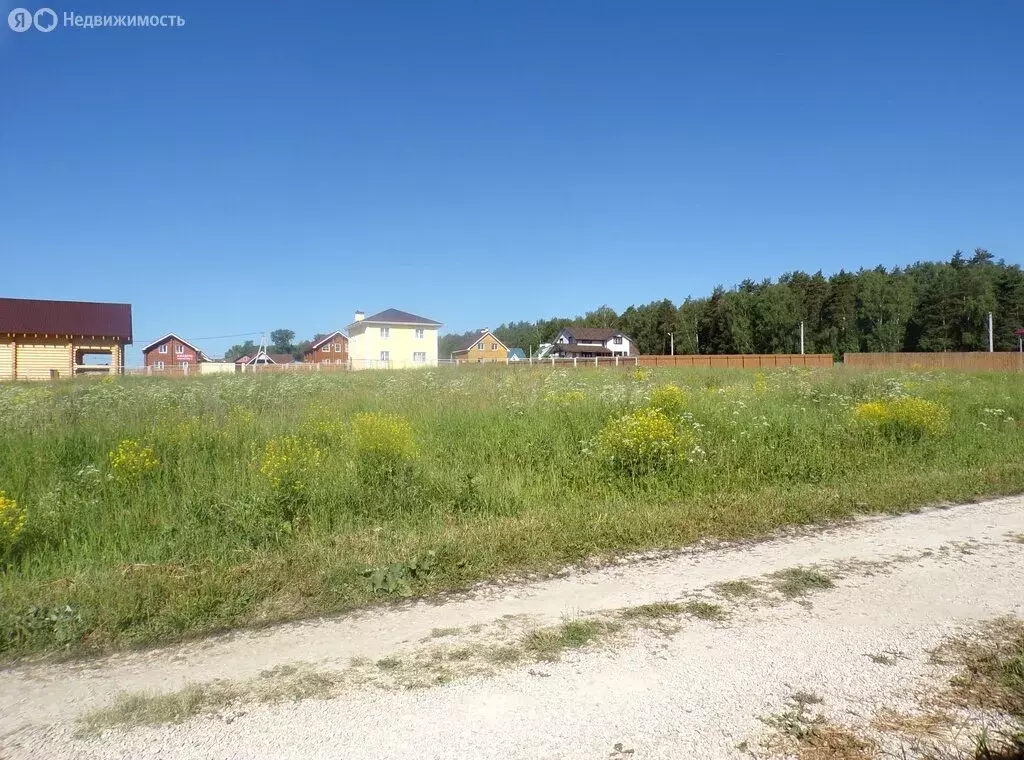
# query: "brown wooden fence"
[[1001, 361], [739, 361]]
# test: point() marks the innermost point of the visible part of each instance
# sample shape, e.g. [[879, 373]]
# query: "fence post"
[[574, 360], [186, 369], [552, 361]]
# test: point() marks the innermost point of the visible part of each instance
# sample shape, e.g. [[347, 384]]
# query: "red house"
[[171, 351], [330, 349]]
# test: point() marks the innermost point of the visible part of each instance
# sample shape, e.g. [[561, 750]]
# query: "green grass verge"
[[271, 498]]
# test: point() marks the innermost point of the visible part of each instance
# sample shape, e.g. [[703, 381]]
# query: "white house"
[[589, 342]]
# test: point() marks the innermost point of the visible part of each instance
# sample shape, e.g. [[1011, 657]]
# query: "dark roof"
[[22, 315], [517, 352], [592, 333], [475, 338], [396, 317], [325, 339], [580, 348], [281, 358]]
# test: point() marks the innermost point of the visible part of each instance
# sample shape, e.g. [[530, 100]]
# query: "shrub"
[[131, 459], [641, 442], [904, 418], [383, 443], [670, 399], [288, 461], [12, 523], [566, 398]]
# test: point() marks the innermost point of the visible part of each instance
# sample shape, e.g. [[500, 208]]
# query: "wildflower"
[[642, 442], [131, 459], [383, 442], [670, 399], [288, 460], [12, 523], [904, 417]]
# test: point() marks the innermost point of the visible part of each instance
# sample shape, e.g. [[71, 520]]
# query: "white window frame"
[[494, 346], [419, 357], [385, 356], [385, 332], [158, 365], [617, 340], [182, 365], [179, 349], [419, 333], [163, 349], [338, 348], [326, 348], [480, 346]]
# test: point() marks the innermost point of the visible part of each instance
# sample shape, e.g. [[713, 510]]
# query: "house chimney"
[[360, 316]]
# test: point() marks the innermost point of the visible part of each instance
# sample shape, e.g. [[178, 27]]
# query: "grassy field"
[[143, 510]]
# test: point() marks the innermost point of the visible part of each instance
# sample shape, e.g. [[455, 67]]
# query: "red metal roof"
[[80, 318]]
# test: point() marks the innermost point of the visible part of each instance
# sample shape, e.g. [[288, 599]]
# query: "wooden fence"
[[1001, 361], [738, 361], [712, 361]]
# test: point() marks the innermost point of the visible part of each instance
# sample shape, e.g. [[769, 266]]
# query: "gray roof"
[[396, 317]]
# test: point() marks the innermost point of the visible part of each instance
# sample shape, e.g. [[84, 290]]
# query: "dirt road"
[[736, 633]]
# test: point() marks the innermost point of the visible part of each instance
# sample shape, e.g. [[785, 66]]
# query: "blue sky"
[[281, 165]]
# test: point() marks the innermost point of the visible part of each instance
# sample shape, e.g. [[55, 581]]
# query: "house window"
[[179, 349], [158, 365], [385, 356], [385, 332], [494, 346], [419, 357], [183, 365], [419, 333], [163, 348], [337, 348], [327, 348], [480, 346], [617, 340]]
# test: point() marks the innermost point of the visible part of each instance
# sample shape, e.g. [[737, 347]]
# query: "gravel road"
[[701, 691]]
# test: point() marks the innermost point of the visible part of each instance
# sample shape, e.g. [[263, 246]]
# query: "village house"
[[331, 349], [590, 342], [262, 357], [392, 339], [480, 348], [171, 352], [41, 339]]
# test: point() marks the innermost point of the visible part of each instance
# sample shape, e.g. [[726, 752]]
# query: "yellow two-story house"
[[392, 339]]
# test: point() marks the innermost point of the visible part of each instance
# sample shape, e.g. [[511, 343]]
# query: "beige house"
[[43, 340], [392, 339]]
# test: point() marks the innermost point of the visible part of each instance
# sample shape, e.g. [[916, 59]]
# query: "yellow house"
[[42, 340], [392, 339], [480, 348]]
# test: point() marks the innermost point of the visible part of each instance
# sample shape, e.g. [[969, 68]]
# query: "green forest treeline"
[[928, 306]]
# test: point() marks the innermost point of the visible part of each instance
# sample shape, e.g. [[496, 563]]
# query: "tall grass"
[[242, 500]]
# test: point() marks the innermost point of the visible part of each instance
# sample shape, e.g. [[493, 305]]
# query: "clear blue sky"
[[280, 165]]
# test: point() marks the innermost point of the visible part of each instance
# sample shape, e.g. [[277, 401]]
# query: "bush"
[[670, 399], [12, 523], [641, 443], [904, 418], [383, 443]]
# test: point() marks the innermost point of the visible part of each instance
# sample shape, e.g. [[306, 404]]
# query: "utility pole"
[[696, 343], [672, 344], [801, 337], [990, 342]]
